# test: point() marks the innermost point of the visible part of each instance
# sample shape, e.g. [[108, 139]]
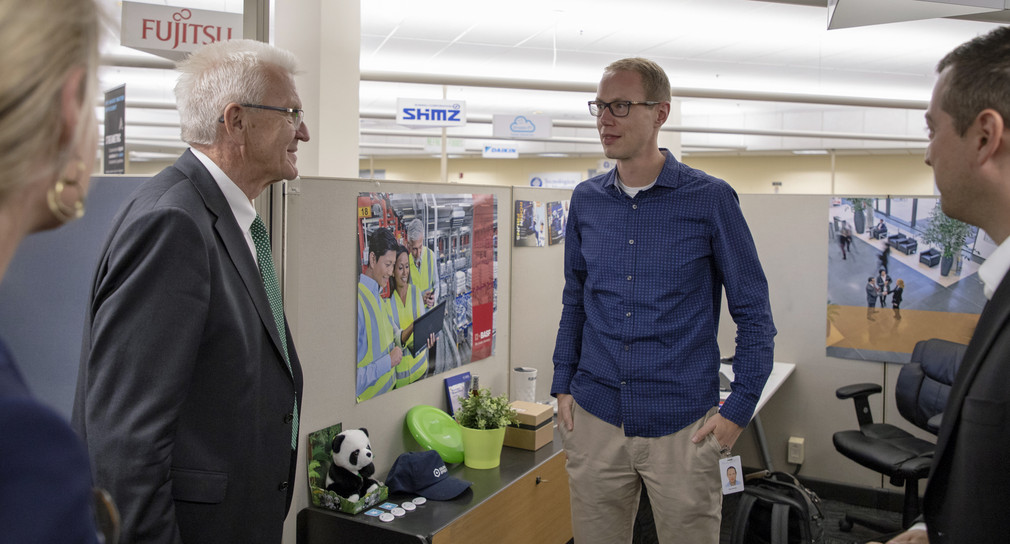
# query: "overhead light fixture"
[[810, 152], [554, 155]]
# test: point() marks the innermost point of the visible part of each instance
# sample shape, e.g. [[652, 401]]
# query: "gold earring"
[[54, 196]]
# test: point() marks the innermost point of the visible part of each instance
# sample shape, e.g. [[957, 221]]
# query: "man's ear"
[[234, 121], [663, 110], [72, 102], [990, 127]]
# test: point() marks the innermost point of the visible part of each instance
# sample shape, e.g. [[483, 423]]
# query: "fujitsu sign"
[[173, 32]]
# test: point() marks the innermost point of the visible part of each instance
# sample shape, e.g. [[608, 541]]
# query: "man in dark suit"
[[969, 150], [189, 386]]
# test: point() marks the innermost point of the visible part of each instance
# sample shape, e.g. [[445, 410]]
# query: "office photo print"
[[426, 287], [899, 271]]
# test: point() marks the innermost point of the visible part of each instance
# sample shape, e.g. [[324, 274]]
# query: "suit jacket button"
[[282, 486], [289, 417]]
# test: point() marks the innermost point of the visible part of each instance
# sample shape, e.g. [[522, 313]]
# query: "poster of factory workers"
[[531, 224], [423, 253], [900, 271]]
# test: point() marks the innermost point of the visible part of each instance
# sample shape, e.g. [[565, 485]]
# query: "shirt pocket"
[[199, 486]]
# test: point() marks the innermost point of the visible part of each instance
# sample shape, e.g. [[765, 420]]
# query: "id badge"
[[731, 473]]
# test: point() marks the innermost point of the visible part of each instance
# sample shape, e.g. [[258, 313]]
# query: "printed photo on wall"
[[427, 286], [557, 216], [530, 224], [900, 271]]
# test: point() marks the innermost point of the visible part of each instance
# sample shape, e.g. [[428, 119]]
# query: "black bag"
[[777, 509]]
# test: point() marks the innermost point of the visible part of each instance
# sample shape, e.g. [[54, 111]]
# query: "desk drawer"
[[524, 512]]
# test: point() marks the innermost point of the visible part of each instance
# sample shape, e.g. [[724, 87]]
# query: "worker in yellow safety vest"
[[378, 353], [405, 306], [423, 264]]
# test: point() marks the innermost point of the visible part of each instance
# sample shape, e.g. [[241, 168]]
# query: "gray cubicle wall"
[[45, 291], [320, 296]]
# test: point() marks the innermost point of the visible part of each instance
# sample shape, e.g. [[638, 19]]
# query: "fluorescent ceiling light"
[[810, 152]]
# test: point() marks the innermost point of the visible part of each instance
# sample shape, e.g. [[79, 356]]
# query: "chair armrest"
[[934, 423], [858, 390]]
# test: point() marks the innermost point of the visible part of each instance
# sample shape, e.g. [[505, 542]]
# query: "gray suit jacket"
[[969, 486], [183, 396]]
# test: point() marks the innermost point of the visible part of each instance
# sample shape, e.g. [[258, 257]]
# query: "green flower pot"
[[482, 447]]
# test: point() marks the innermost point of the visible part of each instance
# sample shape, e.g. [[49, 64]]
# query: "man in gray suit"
[[189, 386], [968, 122]]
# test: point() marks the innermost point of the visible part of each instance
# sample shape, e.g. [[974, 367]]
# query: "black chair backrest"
[[924, 383]]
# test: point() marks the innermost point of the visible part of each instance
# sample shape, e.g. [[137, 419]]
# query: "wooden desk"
[[524, 500]]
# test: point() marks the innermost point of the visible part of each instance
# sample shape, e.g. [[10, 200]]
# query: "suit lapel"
[[234, 242], [990, 323]]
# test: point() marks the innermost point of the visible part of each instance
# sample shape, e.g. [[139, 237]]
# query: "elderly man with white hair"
[[189, 386]]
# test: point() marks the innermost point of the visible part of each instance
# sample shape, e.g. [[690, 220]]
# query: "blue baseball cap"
[[424, 473]]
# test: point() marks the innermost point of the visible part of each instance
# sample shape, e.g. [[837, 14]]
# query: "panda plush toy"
[[350, 475]]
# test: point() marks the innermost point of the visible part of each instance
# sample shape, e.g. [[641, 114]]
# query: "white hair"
[[41, 43], [220, 73], [415, 230]]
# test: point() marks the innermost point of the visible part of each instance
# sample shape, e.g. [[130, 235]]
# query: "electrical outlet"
[[795, 450]]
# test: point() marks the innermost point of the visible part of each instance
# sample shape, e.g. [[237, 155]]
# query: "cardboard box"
[[535, 428]]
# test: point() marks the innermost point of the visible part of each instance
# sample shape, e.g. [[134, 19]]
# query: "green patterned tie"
[[266, 264]]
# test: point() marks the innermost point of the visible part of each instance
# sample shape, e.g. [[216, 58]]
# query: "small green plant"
[[945, 231], [480, 410]]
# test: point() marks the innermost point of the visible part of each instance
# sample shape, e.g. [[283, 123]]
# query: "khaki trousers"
[[606, 470]]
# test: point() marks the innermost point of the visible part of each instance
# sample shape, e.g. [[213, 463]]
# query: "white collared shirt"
[[995, 268], [241, 206]]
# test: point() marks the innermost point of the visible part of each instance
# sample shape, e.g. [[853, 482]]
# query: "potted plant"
[[948, 234], [859, 207], [482, 419]]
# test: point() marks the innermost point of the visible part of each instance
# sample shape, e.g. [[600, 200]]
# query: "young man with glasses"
[[190, 385], [649, 248]]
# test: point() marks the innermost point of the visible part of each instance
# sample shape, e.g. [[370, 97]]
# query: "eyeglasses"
[[618, 108], [297, 116]]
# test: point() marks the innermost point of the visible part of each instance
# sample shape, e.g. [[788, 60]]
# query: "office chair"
[[921, 394]]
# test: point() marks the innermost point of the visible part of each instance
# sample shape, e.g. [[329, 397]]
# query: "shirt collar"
[[668, 176], [995, 268], [241, 206], [371, 284]]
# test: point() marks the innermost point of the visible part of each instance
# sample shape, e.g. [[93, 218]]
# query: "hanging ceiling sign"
[[423, 112], [522, 126], [174, 32], [500, 152]]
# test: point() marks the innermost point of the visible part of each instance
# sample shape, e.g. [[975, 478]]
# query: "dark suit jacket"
[[45, 482], [183, 395], [969, 487]]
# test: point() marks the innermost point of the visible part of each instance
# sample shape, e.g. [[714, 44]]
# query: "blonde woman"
[[48, 137]]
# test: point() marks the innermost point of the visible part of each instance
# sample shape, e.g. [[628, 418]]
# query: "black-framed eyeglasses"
[[297, 115], [618, 108]]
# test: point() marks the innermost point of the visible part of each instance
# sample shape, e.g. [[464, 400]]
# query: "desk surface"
[[433, 516], [780, 371]]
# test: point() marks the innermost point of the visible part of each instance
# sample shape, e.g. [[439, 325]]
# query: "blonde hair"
[[220, 73], [654, 80], [41, 42]]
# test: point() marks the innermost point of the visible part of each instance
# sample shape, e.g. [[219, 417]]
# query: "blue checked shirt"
[[643, 288]]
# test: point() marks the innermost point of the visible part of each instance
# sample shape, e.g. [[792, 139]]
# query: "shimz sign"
[[174, 32]]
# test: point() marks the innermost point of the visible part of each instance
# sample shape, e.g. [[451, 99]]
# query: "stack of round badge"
[[419, 500], [408, 506], [398, 512], [386, 516]]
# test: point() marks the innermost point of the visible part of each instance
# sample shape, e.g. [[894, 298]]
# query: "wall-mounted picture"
[[900, 271], [557, 217], [531, 224], [427, 288]]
